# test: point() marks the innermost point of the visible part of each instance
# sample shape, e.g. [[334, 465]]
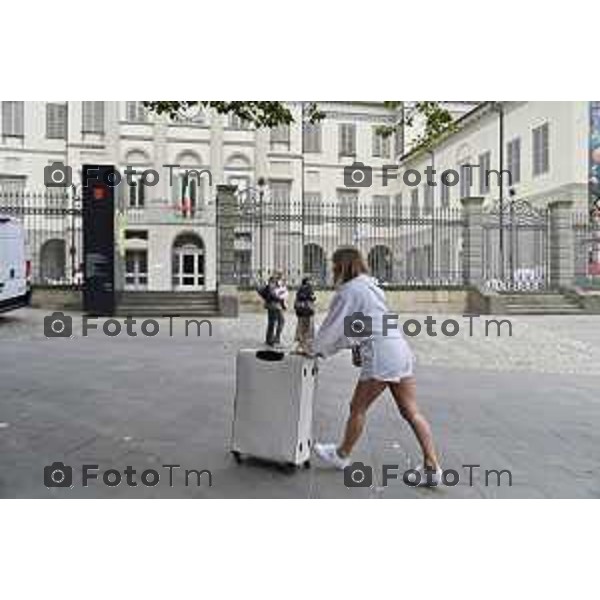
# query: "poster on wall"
[[594, 188]]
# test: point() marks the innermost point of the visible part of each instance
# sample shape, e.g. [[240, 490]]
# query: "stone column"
[[562, 244], [226, 277], [473, 240]]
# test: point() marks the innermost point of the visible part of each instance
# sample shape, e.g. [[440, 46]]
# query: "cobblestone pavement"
[[529, 403]]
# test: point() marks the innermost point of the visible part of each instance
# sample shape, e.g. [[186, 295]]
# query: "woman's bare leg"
[[405, 395], [365, 393]]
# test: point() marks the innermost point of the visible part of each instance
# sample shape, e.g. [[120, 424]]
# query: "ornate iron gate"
[[516, 247]]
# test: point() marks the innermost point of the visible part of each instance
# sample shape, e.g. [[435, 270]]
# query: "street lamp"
[[497, 106], [261, 194], [75, 208], [253, 198]]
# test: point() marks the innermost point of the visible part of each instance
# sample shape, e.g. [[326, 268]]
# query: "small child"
[[304, 307]]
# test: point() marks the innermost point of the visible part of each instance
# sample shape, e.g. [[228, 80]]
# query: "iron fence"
[[418, 250], [53, 225], [516, 247], [586, 233]]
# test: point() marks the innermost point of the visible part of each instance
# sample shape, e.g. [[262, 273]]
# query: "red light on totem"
[[99, 192]]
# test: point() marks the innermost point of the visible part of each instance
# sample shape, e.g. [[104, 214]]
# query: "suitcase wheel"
[[236, 456], [306, 464]]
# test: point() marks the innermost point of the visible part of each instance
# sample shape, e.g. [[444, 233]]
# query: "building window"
[[381, 144], [427, 199], [485, 164], [399, 140], [12, 119], [347, 139], [466, 175], [513, 151], [136, 269], [281, 196], [188, 193], [280, 135], [541, 149], [312, 137], [236, 122], [56, 121], [137, 194], [135, 112], [92, 120], [414, 204], [445, 195], [381, 205], [136, 234]]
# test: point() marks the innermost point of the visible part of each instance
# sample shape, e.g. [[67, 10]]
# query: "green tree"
[[436, 119]]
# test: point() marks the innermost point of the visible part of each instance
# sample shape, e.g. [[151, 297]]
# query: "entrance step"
[[537, 303], [156, 304]]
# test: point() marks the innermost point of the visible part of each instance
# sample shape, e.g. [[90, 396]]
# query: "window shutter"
[[93, 117], [56, 121], [12, 118], [376, 149], [545, 148], [141, 194], [347, 139], [134, 112]]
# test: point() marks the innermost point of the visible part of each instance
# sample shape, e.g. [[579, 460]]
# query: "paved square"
[[529, 403]]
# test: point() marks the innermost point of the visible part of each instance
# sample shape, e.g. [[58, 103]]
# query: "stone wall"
[[400, 301], [56, 298]]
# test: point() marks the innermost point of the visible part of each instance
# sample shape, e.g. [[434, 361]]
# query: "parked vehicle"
[[15, 288]]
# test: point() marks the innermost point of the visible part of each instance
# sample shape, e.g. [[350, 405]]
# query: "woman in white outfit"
[[385, 361]]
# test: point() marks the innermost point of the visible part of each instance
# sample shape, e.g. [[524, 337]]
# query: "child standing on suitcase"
[[275, 295], [304, 306]]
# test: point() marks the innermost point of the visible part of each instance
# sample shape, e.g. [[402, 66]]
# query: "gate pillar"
[[227, 217], [472, 251], [562, 244]]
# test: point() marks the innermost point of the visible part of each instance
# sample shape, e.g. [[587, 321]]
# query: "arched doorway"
[[53, 257], [380, 263], [314, 263], [188, 262]]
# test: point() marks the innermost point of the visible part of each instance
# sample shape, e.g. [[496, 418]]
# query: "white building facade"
[[545, 146], [542, 150], [167, 230]]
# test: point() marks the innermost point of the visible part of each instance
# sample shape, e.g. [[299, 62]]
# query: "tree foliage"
[[435, 118], [260, 114]]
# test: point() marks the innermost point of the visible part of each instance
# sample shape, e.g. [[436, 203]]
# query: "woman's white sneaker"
[[423, 478], [329, 453]]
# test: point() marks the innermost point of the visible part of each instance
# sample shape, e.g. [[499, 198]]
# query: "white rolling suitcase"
[[274, 406]]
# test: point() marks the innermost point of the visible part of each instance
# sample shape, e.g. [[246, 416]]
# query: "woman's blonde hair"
[[348, 263]]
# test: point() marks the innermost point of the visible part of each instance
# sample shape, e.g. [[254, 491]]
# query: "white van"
[[15, 290]]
